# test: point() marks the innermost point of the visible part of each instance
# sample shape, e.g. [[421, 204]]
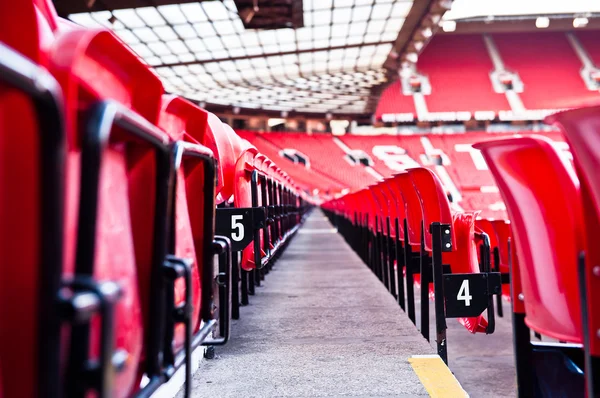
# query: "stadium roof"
[[203, 52]]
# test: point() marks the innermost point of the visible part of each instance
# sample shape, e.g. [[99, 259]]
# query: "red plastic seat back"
[[381, 207], [398, 203], [30, 234], [502, 230], [412, 207], [179, 118], [243, 197], [581, 127], [393, 203], [463, 260], [28, 28], [542, 200], [93, 66], [434, 203], [217, 140]]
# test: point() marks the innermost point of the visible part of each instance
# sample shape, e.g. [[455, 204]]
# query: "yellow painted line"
[[436, 377]]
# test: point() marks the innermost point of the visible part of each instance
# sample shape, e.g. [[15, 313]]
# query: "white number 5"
[[463, 293], [239, 235]]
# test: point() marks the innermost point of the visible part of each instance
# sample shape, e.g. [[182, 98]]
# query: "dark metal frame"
[[21, 74], [82, 373]]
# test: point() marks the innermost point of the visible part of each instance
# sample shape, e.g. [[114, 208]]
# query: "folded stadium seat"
[[245, 174], [261, 165], [384, 263], [487, 226], [463, 255], [113, 103], [548, 67], [581, 128], [32, 164], [194, 201], [397, 215], [412, 237], [546, 222], [503, 234], [276, 192], [217, 139]]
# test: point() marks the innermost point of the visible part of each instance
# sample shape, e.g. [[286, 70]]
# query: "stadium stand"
[[308, 178], [134, 224], [454, 63], [324, 155], [390, 154], [589, 41], [392, 101], [548, 67], [459, 67], [461, 167]]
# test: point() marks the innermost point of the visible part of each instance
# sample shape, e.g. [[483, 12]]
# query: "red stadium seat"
[[499, 249], [581, 128], [32, 165], [516, 164], [547, 227], [194, 199], [126, 189], [435, 208], [217, 139]]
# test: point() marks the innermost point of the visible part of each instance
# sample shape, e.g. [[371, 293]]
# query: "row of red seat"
[[109, 191], [391, 225], [460, 167], [458, 67], [547, 252]]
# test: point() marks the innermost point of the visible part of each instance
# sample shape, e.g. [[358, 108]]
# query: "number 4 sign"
[[463, 293], [467, 295]]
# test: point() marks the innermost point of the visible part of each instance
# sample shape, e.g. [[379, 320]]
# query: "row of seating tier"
[[325, 156], [308, 178], [452, 156], [404, 227], [107, 201], [548, 67], [458, 67]]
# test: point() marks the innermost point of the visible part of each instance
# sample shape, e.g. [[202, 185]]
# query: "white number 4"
[[463, 293], [235, 224]]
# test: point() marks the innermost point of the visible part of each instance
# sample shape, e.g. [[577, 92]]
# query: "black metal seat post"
[[391, 258], [400, 266], [21, 74], [410, 287]]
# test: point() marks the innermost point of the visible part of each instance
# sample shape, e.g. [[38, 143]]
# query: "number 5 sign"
[[239, 224], [237, 227]]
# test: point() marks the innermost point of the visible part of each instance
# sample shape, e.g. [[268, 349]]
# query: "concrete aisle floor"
[[321, 325]]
